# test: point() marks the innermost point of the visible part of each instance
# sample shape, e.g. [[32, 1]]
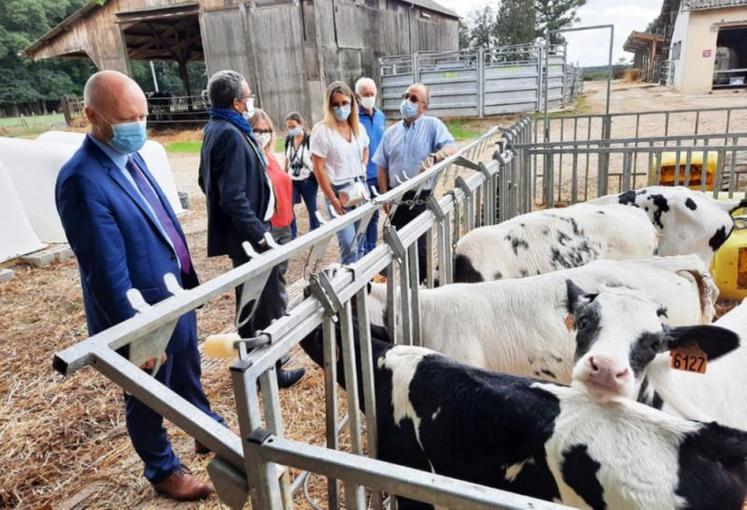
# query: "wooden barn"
[[288, 49]]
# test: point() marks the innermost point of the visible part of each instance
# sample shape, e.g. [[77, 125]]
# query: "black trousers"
[[403, 215], [271, 305]]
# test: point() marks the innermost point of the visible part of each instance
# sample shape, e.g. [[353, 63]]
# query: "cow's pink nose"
[[606, 372]]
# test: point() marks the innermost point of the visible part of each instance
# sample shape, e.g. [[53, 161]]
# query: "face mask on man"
[[128, 137], [408, 109], [249, 113], [368, 102], [264, 139], [295, 131], [341, 113]]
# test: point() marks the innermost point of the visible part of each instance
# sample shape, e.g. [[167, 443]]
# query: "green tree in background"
[[482, 23], [515, 22], [27, 86], [555, 15]]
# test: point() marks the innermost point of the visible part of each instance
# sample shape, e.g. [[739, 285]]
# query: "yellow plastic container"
[[668, 165], [729, 267]]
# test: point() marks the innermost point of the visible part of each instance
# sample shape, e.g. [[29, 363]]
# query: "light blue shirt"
[[403, 147], [120, 161]]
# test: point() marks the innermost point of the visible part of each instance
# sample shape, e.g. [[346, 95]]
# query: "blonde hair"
[[340, 87], [261, 115]]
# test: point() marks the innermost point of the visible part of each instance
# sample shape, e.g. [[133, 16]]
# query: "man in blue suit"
[[125, 235]]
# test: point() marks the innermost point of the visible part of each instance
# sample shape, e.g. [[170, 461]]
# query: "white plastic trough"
[[153, 153], [17, 236]]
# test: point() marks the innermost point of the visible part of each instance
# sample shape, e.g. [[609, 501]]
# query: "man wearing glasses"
[[406, 148]]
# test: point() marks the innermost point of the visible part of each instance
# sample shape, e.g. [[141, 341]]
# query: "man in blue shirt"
[[404, 148], [375, 123]]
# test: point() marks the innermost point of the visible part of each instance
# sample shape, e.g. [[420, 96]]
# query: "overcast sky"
[[591, 48]]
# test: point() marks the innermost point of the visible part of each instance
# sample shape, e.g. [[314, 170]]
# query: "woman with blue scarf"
[[240, 198]]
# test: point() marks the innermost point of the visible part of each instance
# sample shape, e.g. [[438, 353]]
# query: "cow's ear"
[[714, 341], [577, 297]]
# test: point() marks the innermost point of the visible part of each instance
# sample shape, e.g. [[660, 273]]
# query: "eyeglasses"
[[250, 96], [263, 131], [410, 97]]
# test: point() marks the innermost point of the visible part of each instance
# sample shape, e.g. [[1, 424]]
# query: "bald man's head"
[[111, 97]]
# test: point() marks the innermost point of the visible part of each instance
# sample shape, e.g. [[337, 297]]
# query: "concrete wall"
[[699, 50], [679, 36]]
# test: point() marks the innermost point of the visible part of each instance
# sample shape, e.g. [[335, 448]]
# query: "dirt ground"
[[64, 441]]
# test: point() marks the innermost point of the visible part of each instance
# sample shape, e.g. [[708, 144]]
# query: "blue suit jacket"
[[117, 241]]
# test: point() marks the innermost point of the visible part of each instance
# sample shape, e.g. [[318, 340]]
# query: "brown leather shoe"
[[201, 449], [182, 485]]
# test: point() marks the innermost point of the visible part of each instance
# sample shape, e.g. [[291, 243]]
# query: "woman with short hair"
[[299, 166], [281, 185], [339, 153]]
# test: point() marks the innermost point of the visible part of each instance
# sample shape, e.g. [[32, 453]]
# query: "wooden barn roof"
[[66, 26]]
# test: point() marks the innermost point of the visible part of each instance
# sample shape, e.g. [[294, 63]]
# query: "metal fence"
[[476, 83], [484, 191], [592, 155]]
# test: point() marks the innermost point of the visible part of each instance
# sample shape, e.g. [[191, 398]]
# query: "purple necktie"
[[163, 217]]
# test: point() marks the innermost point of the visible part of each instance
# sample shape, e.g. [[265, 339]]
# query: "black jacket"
[[235, 184]]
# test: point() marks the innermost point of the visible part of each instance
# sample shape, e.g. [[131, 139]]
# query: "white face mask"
[[264, 139], [249, 113], [368, 102]]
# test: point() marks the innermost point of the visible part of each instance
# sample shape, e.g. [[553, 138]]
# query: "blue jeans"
[[306, 189], [372, 231], [350, 250]]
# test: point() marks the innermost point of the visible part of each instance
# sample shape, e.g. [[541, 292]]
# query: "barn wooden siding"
[[288, 50]]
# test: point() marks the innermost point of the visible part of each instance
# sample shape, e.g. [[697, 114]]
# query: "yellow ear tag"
[[689, 359], [570, 322]]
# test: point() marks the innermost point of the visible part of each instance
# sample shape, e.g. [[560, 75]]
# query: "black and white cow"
[[544, 440], [688, 221], [518, 326], [620, 337], [544, 241], [616, 339]]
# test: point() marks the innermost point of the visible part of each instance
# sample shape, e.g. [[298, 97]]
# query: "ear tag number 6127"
[[689, 359]]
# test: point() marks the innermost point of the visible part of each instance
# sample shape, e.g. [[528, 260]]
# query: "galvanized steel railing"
[[494, 190]]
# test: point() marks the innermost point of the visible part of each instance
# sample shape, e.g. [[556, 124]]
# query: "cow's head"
[[619, 333]]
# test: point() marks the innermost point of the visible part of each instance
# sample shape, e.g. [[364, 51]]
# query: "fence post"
[[415, 68], [604, 157], [540, 57], [481, 82]]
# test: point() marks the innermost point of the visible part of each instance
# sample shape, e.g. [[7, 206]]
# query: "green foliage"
[[21, 79], [556, 15], [515, 22], [462, 130], [464, 35], [167, 74], [482, 27]]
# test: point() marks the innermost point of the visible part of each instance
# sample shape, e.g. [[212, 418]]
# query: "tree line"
[[28, 87], [509, 22]]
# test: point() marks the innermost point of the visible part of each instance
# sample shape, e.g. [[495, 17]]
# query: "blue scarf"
[[238, 120]]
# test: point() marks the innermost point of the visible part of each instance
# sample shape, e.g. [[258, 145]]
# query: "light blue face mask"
[[295, 131], [129, 137], [341, 113], [408, 109]]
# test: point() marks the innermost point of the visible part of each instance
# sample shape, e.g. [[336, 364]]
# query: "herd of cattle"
[[547, 368]]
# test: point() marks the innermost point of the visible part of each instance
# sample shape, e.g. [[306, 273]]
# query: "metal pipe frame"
[[269, 481]]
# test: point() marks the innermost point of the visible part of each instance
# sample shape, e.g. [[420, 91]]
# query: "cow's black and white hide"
[[687, 221], [544, 241], [518, 326], [618, 337], [545, 440], [620, 334]]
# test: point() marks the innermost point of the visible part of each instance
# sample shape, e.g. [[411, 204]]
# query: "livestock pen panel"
[[488, 181]]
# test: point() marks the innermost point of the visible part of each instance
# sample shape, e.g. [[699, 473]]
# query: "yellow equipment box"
[[696, 169], [729, 267]]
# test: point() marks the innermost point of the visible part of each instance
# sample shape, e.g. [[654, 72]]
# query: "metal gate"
[[476, 83], [485, 174]]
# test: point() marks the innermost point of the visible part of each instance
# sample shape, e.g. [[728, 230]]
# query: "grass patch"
[[189, 147], [581, 106], [32, 125], [194, 146], [462, 130]]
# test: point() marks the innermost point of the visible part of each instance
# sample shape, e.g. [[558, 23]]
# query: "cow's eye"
[[582, 322]]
